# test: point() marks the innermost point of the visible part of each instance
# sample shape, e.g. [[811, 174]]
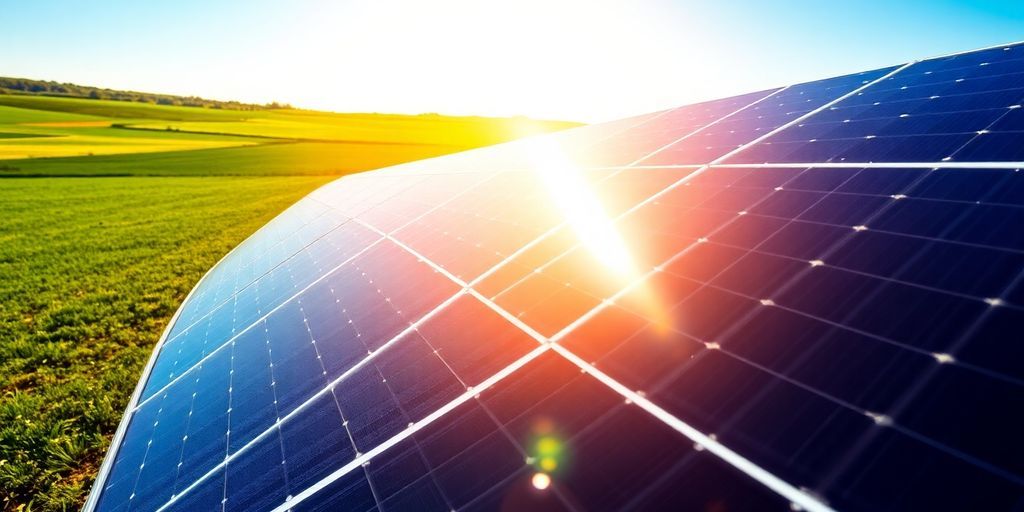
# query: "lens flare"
[[541, 481], [548, 446]]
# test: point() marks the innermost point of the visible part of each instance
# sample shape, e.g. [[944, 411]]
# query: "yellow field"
[[426, 129], [82, 145]]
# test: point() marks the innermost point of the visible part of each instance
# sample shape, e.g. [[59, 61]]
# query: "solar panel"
[[803, 297]]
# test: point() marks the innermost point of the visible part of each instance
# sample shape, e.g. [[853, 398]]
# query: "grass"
[[37, 127], [14, 115], [105, 144], [97, 252], [90, 272], [118, 109], [303, 158]]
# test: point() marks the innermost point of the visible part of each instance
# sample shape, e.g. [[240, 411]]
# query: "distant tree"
[[41, 87]]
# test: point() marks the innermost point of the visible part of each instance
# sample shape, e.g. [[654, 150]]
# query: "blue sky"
[[573, 59]]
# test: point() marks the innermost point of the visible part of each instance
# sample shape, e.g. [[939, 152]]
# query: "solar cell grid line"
[[263, 317], [466, 380], [170, 345], [286, 265], [924, 238], [962, 205], [940, 357], [656, 269], [874, 276], [322, 276], [830, 250], [683, 121], [770, 93], [556, 338], [302, 407], [412, 429], [904, 401], [345, 421], [118, 437], [401, 408], [305, 404], [721, 158], [236, 289], [708, 283], [469, 237], [404, 434], [466, 287], [413, 203], [794, 103], [908, 263], [705, 127], [771, 481], [258, 241], [973, 50], [469, 189], [607, 302], [468, 386], [629, 125], [612, 471], [295, 411], [800, 499], [957, 108], [882, 420], [943, 358], [869, 165], [616, 171]]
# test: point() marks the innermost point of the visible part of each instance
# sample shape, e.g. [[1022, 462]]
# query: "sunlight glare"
[[580, 207]]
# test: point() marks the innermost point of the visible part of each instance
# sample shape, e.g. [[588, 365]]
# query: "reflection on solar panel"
[[805, 297]]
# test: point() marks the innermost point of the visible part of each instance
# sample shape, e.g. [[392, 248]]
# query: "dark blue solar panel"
[[691, 121], [960, 108], [615, 455], [711, 333], [752, 123]]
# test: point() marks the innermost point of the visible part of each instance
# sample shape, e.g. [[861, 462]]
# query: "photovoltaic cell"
[[961, 108], [758, 120], [807, 296]]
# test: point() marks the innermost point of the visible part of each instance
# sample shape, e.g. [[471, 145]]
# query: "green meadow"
[[111, 211]]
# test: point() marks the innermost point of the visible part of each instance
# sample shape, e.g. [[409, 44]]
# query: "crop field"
[[99, 247], [40, 126]]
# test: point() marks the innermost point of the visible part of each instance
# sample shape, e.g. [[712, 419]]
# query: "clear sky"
[[569, 59]]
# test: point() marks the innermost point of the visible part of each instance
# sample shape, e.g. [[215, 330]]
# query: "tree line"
[[51, 88]]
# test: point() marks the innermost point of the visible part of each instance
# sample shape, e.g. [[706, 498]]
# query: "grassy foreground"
[[90, 272]]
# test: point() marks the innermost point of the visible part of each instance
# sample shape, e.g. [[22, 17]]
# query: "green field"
[[42, 127], [97, 252]]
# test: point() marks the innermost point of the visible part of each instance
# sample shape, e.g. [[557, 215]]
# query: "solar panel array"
[[822, 309]]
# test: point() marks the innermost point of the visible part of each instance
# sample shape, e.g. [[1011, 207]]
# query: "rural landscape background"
[[114, 204]]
